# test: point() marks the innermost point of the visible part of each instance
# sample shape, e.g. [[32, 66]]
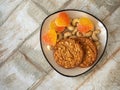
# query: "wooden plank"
[[100, 9], [110, 5], [18, 74], [113, 25], [55, 81], [6, 8], [117, 57], [31, 48], [107, 78], [50, 6], [18, 27]]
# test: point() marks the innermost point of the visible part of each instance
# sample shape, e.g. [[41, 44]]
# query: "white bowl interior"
[[49, 54]]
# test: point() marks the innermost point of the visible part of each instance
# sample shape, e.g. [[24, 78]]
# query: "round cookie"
[[90, 52], [68, 53]]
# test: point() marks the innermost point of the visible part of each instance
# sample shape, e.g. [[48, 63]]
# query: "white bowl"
[[49, 54]]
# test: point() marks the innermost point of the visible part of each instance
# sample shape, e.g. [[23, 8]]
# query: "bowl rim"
[[98, 58]]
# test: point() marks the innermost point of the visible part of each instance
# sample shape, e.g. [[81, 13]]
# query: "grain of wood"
[[50, 6], [31, 48], [18, 27], [100, 9], [55, 81], [6, 8], [39, 81], [18, 74], [113, 25], [108, 78]]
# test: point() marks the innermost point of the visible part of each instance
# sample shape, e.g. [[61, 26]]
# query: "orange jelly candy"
[[85, 25], [50, 37], [62, 20], [57, 28]]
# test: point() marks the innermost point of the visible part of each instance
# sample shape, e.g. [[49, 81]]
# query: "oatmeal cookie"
[[90, 52], [68, 53]]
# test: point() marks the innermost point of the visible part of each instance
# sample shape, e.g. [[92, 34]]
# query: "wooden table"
[[22, 64]]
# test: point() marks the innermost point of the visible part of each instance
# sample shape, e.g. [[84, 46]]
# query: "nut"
[[75, 21], [78, 34], [71, 28], [67, 34], [94, 35], [88, 34], [74, 31]]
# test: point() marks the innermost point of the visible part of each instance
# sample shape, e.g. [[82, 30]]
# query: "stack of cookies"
[[75, 52]]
